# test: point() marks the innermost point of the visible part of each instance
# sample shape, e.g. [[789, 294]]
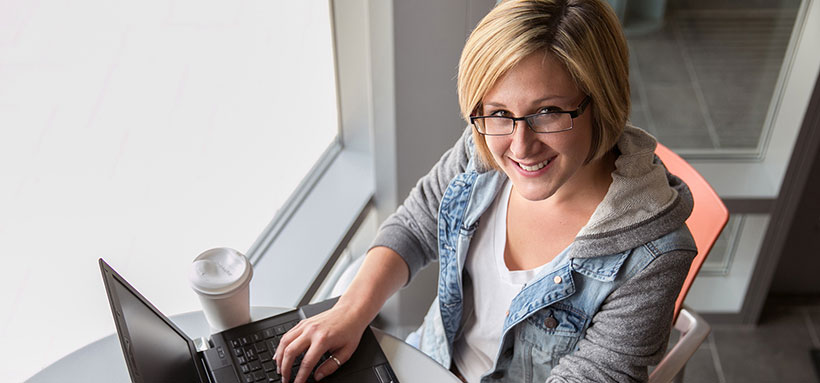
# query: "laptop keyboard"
[[254, 355]]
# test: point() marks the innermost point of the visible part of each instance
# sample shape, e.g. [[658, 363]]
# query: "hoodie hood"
[[644, 201]]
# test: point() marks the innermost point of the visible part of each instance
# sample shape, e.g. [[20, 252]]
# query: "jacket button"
[[497, 375], [551, 322], [557, 279]]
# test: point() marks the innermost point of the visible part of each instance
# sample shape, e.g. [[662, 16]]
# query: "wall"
[[428, 38], [800, 258]]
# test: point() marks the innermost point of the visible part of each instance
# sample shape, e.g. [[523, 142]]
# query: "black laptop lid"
[[155, 349]]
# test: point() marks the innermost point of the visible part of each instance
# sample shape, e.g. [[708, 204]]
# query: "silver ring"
[[338, 363]]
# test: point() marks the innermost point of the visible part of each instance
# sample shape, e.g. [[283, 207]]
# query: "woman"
[[560, 237]]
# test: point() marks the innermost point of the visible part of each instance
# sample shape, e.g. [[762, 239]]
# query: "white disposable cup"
[[221, 278]]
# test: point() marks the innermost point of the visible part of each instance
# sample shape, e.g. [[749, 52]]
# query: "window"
[[144, 133], [726, 84]]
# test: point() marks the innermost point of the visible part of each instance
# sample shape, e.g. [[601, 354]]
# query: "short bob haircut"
[[584, 35]]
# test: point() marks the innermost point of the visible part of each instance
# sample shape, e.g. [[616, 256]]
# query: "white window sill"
[[289, 268]]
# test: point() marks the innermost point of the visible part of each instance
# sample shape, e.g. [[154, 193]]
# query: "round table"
[[102, 361]]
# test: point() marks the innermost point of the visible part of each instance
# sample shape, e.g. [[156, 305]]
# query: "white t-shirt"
[[493, 288]]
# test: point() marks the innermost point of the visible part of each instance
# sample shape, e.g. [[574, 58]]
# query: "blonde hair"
[[584, 35]]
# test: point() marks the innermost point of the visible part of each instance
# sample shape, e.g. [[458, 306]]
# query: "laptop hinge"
[[202, 344]]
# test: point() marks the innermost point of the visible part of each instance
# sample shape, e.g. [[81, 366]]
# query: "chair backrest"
[[709, 215]]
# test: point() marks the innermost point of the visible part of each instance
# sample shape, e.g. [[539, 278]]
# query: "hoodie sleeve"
[[411, 230], [631, 330]]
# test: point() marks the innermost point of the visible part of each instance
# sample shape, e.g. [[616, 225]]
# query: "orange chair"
[[709, 217]]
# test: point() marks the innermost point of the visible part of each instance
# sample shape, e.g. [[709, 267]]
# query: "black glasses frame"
[[529, 119]]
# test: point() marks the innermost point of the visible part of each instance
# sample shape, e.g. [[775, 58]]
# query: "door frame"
[[783, 213]]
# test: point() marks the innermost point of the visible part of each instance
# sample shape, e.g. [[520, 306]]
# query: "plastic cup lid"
[[219, 271]]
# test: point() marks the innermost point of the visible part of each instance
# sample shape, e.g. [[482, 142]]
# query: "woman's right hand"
[[336, 332], [339, 330]]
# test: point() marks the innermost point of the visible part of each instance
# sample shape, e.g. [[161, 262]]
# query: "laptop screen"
[[160, 354]]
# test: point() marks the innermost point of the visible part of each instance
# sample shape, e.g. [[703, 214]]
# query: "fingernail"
[[318, 376]]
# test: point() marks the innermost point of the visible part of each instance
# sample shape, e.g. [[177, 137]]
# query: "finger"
[[283, 343], [328, 367], [337, 359], [314, 352], [289, 355]]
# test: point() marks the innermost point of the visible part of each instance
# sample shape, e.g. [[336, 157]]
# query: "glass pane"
[[145, 132], [703, 77], [720, 258]]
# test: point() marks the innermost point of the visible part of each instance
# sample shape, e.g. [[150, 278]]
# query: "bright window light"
[[144, 132]]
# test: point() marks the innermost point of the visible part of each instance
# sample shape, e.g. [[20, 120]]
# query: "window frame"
[[296, 251], [736, 176]]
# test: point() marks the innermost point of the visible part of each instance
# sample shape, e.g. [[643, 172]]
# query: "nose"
[[523, 140]]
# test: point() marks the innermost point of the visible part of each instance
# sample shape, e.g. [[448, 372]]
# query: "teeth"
[[534, 167]]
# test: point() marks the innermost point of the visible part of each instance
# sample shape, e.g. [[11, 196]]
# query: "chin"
[[534, 194]]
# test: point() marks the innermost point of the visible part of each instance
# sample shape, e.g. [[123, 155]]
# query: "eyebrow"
[[536, 102]]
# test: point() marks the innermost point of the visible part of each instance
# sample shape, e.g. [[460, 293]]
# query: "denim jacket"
[[577, 308]]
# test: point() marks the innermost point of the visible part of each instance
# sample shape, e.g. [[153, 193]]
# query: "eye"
[[547, 109], [498, 113]]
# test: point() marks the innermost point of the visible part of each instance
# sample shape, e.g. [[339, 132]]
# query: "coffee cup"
[[221, 277]]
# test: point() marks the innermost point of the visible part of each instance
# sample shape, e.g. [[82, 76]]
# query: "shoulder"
[[671, 253], [679, 240], [674, 250]]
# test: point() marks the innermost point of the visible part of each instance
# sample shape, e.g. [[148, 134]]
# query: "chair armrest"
[[693, 329]]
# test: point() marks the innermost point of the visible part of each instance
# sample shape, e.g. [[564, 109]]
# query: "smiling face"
[[540, 164]]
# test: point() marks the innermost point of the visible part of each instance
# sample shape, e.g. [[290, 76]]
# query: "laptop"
[[157, 351]]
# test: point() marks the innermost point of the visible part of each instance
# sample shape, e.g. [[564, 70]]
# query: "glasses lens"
[[551, 122], [495, 125]]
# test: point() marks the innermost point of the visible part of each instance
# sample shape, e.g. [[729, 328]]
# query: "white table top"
[[102, 361]]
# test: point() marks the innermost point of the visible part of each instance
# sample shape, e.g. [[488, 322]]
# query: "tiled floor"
[[777, 350], [705, 80]]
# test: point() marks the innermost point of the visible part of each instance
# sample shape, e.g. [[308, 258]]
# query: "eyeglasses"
[[551, 121]]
